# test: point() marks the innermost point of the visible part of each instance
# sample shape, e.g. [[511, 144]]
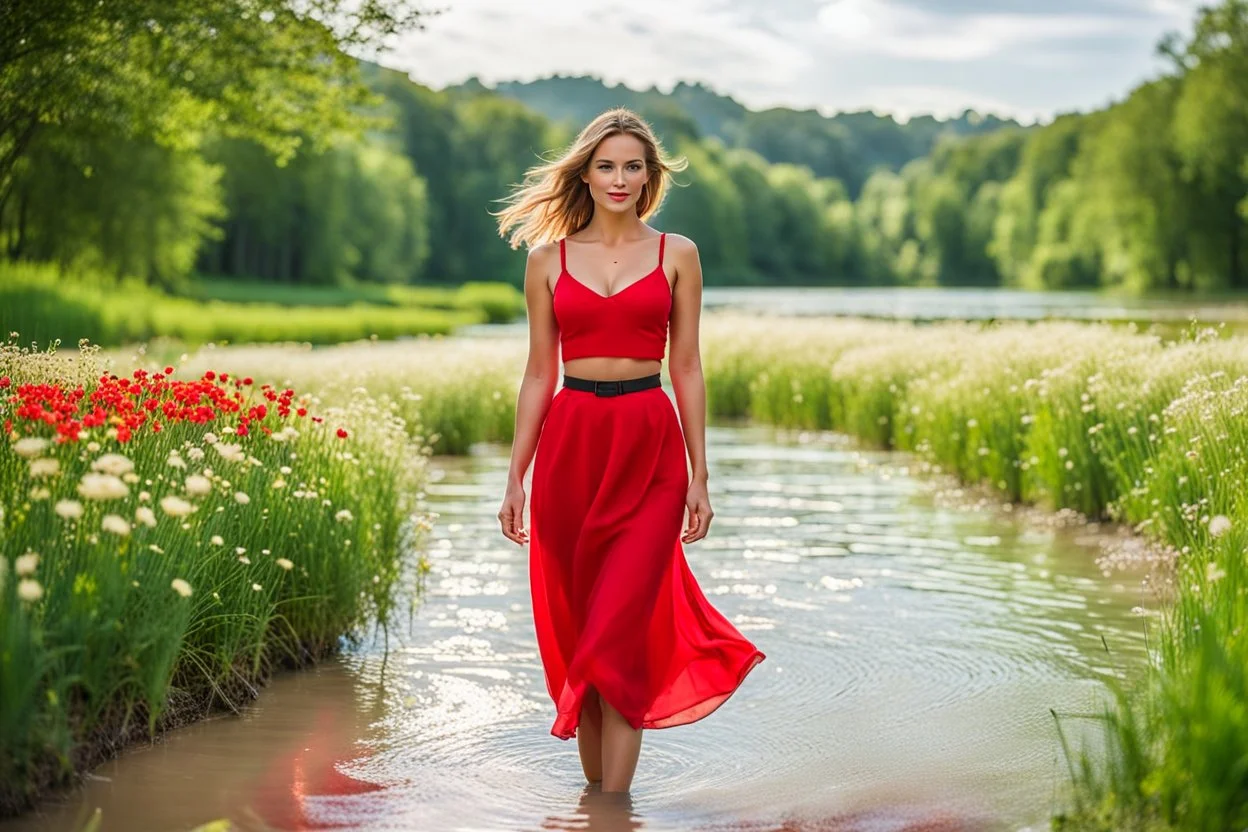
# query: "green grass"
[[110, 650], [45, 305], [1100, 419], [501, 302]]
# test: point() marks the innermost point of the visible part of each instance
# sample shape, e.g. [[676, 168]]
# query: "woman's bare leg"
[[621, 746], [589, 736]]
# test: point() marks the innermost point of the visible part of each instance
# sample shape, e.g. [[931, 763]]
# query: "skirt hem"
[[673, 719]]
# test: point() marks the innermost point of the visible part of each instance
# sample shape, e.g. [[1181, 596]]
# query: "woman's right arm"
[[537, 386]]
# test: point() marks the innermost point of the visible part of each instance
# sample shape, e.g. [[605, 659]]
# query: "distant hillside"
[[847, 146]]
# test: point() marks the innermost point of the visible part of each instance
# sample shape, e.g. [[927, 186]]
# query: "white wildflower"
[[116, 524], [30, 446], [257, 587], [102, 487], [44, 467], [68, 509], [196, 454], [198, 486], [210, 438], [217, 540], [145, 515], [231, 453], [181, 587], [26, 564], [176, 506], [1219, 524], [241, 498], [29, 590], [285, 564], [344, 516], [114, 464]]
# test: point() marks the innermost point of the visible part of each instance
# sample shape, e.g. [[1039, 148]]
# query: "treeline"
[[1149, 194], [847, 146], [332, 172], [136, 142]]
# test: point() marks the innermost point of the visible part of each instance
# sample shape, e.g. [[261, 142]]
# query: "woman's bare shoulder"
[[679, 244]]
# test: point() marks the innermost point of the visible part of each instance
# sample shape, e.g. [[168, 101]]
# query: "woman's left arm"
[[685, 368]]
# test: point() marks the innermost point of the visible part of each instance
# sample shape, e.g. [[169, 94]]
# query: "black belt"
[[614, 387]]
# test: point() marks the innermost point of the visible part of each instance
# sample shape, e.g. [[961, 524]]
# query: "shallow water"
[[914, 654]]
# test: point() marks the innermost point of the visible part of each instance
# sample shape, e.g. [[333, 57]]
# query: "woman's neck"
[[611, 229]]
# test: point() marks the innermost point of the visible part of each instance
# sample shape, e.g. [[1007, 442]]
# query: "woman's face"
[[617, 172]]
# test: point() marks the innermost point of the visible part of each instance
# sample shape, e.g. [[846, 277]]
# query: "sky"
[[1025, 59]]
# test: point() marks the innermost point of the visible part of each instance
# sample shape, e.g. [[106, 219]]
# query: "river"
[[915, 650]]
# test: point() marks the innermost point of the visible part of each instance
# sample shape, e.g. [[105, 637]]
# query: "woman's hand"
[[511, 515], [699, 505]]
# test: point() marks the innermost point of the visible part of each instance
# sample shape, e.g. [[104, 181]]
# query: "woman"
[[628, 640]]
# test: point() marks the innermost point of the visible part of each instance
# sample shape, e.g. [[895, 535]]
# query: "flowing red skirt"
[[615, 606]]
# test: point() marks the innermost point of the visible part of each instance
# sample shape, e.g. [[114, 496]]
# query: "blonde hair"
[[553, 202]]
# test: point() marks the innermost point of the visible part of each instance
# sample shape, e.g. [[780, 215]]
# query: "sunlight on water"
[[913, 651]]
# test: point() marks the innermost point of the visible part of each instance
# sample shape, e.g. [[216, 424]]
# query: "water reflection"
[[915, 652], [599, 811]]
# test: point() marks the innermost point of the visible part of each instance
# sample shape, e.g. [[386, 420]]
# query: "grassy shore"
[[43, 305], [162, 560]]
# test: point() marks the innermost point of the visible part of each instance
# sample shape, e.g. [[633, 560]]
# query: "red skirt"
[[615, 606]]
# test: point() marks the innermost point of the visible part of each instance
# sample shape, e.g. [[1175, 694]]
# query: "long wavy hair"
[[553, 202]]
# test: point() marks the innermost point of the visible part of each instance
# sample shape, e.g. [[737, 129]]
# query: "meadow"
[[171, 541], [1110, 422], [44, 304]]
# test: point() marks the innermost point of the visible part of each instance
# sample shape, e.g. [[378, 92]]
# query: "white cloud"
[[886, 55], [637, 42], [891, 28]]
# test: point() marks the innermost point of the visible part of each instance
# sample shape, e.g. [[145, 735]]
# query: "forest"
[[264, 153]]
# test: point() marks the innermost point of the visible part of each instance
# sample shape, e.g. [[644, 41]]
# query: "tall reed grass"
[[1110, 422], [160, 560]]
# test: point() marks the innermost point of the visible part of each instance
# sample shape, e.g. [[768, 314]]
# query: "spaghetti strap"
[[662, 240], [563, 257]]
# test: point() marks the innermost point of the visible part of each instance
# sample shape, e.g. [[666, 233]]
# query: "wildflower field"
[[1111, 422], [170, 540]]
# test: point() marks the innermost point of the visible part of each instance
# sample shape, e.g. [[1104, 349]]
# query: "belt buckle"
[[608, 388]]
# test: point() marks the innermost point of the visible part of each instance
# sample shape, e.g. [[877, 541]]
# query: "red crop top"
[[632, 323]]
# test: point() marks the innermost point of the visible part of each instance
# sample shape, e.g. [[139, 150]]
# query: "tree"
[[273, 71], [1211, 136]]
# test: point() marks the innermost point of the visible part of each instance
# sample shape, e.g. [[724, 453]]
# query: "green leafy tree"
[[1211, 137], [276, 72]]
